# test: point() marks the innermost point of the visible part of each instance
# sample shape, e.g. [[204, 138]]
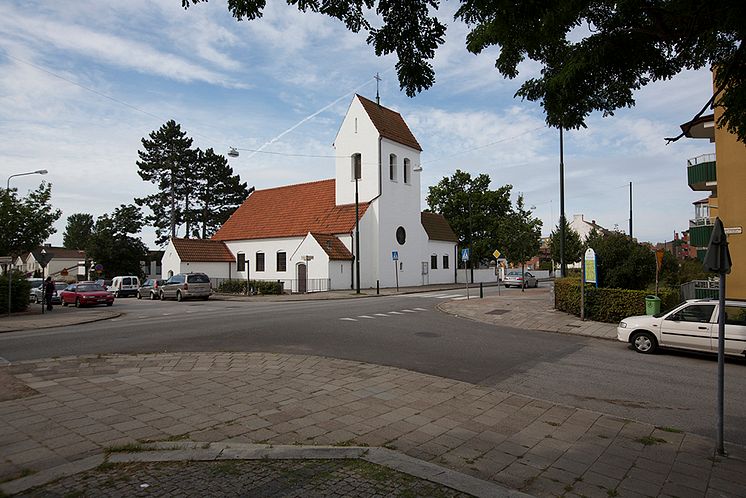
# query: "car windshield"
[[60, 285], [89, 288]]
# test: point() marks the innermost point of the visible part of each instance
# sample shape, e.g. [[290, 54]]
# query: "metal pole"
[[630, 210], [357, 238], [563, 264], [471, 255], [481, 291], [8, 266], [582, 289], [721, 365]]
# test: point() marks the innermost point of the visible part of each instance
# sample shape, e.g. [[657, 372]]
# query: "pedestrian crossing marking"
[[409, 311], [395, 313], [382, 314], [366, 316], [348, 319], [420, 309]]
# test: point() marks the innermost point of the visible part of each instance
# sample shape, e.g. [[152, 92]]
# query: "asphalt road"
[[670, 389]]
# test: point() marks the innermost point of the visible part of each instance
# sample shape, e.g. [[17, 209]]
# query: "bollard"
[[378, 287], [481, 291]]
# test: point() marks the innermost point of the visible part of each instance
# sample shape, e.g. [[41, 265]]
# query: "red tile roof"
[[62, 252], [290, 211], [389, 123], [437, 227], [202, 250], [333, 247]]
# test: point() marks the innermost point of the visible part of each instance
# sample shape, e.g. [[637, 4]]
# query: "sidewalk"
[[60, 316], [60, 417]]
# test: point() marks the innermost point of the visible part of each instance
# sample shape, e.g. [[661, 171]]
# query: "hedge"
[[607, 305], [259, 286], [19, 293]]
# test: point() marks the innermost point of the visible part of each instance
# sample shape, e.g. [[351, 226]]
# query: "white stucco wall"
[[211, 269], [170, 262], [441, 248]]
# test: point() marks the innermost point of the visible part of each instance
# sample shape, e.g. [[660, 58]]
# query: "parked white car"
[[691, 325], [124, 286]]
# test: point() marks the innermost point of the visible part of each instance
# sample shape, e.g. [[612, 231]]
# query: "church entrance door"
[[302, 278]]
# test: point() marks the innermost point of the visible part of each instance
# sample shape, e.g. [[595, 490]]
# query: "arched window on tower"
[[356, 171], [392, 167]]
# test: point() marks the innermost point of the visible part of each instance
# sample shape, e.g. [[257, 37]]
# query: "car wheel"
[[33, 299], [161, 296], [152, 296], [77, 303], [205, 298], [179, 297], [644, 342], [139, 296], [64, 303], [109, 304]]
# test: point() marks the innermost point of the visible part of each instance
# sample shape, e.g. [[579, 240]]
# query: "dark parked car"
[[150, 289], [85, 294], [187, 285]]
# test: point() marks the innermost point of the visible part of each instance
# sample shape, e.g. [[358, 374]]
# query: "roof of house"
[[333, 247], [437, 227], [62, 253], [290, 211], [202, 250], [389, 123]]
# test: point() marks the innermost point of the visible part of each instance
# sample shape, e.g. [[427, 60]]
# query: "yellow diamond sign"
[[496, 254]]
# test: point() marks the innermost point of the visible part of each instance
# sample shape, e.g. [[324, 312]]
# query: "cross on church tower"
[[378, 79]]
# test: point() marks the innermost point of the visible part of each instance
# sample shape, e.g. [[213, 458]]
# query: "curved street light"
[[7, 192]]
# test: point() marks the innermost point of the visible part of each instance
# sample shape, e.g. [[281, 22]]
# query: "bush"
[[607, 305], [264, 287], [19, 295]]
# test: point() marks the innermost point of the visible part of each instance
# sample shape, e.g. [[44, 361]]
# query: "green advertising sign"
[[590, 267]]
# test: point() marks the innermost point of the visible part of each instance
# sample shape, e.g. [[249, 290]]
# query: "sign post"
[[497, 255], [588, 275], [395, 258], [465, 258], [658, 266]]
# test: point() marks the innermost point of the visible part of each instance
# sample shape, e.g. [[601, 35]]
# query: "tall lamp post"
[[358, 172], [563, 264], [7, 192]]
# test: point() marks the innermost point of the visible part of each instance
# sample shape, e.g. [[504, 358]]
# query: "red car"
[[85, 294]]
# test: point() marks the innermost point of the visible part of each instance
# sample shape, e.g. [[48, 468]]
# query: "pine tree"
[[78, 231], [167, 160]]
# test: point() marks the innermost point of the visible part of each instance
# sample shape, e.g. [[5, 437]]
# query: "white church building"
[[304, 234]]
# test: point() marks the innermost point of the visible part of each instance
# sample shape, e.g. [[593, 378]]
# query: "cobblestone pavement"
[[75, 408], [277, 478]]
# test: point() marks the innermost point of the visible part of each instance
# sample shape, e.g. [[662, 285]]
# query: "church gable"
[[390, 124]]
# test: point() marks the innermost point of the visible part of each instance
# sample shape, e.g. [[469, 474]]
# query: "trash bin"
[[652, 305]]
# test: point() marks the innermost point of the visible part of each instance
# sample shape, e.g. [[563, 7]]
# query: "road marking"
[[420, 309], [114, 320], [348, 319], [166, 314], [461, 298], [382, 314], [3, 361], [395, 313], [409, 311], [366, 316]]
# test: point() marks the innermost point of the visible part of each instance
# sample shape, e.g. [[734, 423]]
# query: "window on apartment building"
[[392, 167], [357, 167], [407, 170], [445, 261], [282, 263], [259, 261]]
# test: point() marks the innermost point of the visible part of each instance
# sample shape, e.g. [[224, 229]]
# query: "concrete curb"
[[195, 451], [113, 314]]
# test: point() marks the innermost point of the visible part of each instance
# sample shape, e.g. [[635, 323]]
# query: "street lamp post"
[[563, 264], [358, 167], [7, 192]]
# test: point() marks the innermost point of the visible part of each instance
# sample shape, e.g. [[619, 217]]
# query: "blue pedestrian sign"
[[465, 254], [395, 255]]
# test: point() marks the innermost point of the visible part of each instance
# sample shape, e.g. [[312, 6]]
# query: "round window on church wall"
[[401, 235]]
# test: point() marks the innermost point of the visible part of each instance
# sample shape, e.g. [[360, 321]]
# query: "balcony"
[[699, 235], [702, 173]]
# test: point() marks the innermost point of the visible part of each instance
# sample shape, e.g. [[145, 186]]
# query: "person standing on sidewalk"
[[49, 291]]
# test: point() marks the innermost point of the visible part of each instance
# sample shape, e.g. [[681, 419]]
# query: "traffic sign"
[[99, 267], [64, 272], [395, 255], [465, 254], [496, 254], [590, 267]]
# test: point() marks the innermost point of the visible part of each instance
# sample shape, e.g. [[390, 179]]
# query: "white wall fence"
[[487, 275]]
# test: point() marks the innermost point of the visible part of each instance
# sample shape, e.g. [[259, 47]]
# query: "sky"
[[81, 83]]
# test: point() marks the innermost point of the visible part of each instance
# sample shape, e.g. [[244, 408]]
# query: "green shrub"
[[606, 305], [259, 287], [19, 293]]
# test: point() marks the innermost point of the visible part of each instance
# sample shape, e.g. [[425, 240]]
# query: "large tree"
[[473, 211], [26, 222], [168, 161], [217, 193], [594, 54], [621, 262], [78, 231], [523, 235], [114, 245], [573, 245]]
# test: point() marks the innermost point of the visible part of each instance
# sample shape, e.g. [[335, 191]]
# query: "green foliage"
[[573, 245], [522, 234], [113, 245], [692, 269], [20, 289], [26, 222], [78, 231], [265, 287], [606, 305], [621, 262], [196, 189], [593, 55], [471, 208]]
